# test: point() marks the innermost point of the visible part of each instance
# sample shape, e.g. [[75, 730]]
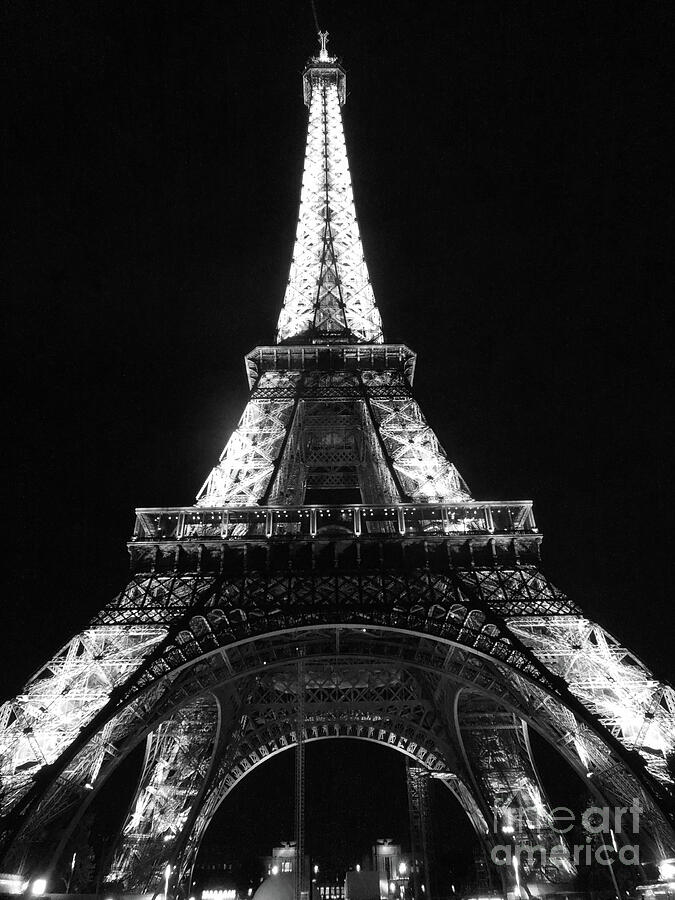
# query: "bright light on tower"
[[38, 887], [402, 868], [667, 869], [275, 870], [167, 875], [516, 869]]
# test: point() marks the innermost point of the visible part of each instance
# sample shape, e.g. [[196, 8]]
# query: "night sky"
[[514, 190]]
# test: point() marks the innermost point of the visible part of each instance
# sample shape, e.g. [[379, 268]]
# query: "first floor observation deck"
[[468, 533]]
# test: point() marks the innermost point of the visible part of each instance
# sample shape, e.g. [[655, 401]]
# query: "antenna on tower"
[[323, 40]]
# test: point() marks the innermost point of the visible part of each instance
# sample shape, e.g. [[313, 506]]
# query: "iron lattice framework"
[[334, 579]]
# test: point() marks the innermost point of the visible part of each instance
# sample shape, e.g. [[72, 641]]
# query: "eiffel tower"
[[335, 578]]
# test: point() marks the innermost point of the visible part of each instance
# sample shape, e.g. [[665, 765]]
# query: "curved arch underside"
[[194, 636]]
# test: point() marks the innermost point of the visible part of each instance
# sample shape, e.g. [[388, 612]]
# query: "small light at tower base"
[[38, 887], [167, 875]]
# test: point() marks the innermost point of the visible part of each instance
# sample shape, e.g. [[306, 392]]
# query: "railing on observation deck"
[[195, 523]]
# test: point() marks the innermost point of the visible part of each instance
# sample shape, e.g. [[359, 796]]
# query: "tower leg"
[[300, 889], [178, 759]]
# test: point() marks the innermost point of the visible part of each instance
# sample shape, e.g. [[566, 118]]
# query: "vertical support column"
[[387, 471], [421, 831], [300, 890], [177, 765]]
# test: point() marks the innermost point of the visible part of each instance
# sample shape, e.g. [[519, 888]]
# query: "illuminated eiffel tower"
[[334, 563]]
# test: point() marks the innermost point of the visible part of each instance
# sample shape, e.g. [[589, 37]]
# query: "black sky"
[[514, 189]]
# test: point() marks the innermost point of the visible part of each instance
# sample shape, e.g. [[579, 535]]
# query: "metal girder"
[[49, 724], [497, 752], [42, 721], [177, 761], [610, 779], [610, 681], [269, 453], [248, 461], [381, 703], [462, 666], [299, 873], [421, 829], [452, 607], [393, 607]]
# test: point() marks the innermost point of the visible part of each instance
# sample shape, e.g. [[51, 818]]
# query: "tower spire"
[[328, 297]]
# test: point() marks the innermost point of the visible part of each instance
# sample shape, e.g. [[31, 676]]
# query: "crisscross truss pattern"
[[45, 719], [610, 681], [67, 694], [197, 614], [246, 464], [416, 455], [332, 429], [343, 699], [496, 749], [329, 295]]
